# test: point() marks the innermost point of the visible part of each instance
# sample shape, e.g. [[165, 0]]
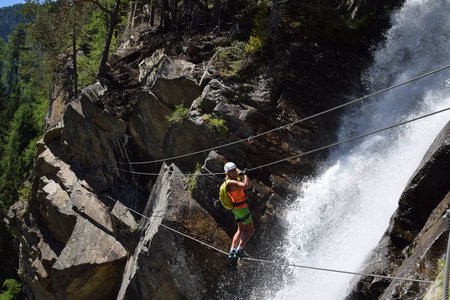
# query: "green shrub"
[[19, 151], [321, 21], [192, 180], [12, 288], [229, 61], [178, 115], [88, 68], [260, 31], [217, 126], [254, 45], [92, 43], [25, 192]]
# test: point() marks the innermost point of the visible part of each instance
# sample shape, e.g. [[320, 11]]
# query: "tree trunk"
[[152, 13], [187, 5], [174, 15], [216, 13], [74, 61], [17, 39], [230, 8], [274, 20], [111, 27], [133, 16], [164, 23]]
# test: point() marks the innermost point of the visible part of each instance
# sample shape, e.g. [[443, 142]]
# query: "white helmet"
[[229, 166]]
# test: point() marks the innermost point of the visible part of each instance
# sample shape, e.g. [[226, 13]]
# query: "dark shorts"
[[242, 215]]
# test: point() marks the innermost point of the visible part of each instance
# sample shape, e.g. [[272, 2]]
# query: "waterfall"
[[342, 212]]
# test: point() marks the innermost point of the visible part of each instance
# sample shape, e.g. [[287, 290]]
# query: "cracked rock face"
[[68, 250]]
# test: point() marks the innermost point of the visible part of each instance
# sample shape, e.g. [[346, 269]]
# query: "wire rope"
[[303, 153]]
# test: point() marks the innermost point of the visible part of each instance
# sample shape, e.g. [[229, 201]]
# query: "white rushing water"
[[344, 210]]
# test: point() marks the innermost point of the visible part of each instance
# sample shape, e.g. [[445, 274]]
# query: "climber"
[[237, 182]]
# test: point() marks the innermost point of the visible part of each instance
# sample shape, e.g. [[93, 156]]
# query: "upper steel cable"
[[303, 153]]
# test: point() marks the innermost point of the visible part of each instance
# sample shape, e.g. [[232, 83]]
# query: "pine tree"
[[16, 43], [22, 109], [66, 22], [113, 20]]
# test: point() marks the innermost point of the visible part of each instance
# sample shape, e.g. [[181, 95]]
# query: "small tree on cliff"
[[55, 29], [113, 17]]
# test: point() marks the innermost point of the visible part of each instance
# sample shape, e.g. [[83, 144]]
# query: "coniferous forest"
[[10, 17], [35, 38], [23, 104]]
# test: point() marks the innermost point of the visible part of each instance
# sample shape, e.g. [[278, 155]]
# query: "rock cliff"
[[97, 225]]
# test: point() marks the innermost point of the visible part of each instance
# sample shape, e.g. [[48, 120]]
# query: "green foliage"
[[11, 289], [22, 121], [14, 52], [440, 278], [88, 67], [321, 21], [218, 126], [255, 44], [178, 115], [92, 44], [260, 31], [230, 61], [48, 17], [440, 271], [18, 153], [192, 180], [65, 21]]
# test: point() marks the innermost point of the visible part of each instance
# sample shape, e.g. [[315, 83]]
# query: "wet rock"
[[426, 188], [422, 258], [415, 237]]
